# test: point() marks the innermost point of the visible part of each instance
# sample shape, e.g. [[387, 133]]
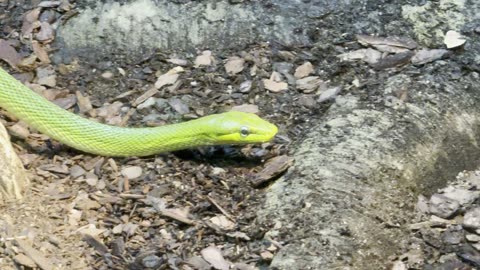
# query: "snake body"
[[101, 139]]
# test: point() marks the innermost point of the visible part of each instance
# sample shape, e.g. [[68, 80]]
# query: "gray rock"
[[283, 67], [471, 220], [329, 94], [461, 195], [161, 104], [179, 106], [147, 103], [442, 206], [152, 261], [245, 86]]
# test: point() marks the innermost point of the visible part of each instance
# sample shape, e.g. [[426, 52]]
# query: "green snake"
[[92, 137]]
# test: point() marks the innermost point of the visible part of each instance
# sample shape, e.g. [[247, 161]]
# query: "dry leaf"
[[40, 52], [223, 222], [274, 86], [168, 78], [9, 54], [234, 65], [248, 108], [205, 59], [304, 70], [453, 39], [30, 21], [214, 257], [90, 229]]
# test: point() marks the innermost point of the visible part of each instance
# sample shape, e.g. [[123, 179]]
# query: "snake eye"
[[244, 131]]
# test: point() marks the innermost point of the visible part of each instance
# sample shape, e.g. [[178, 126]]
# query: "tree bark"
[[13, 177]]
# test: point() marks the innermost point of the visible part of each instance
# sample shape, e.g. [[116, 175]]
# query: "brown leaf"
[[390, 41], [234, 65], [274, 86], [303, 70], [40, 52], [46, 33], [393, 60], [213, 256], [248, 108], [9, 54], [273, 168], [205, 59], [30, 21]]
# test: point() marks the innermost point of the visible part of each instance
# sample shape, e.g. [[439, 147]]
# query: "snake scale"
[[89, 136]]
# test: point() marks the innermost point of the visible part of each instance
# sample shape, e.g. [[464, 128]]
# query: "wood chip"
[[273, 168], [34, 254]]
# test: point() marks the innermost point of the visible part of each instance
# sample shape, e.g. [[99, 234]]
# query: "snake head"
[[240, 128]]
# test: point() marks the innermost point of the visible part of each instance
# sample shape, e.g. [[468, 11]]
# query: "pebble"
[[443, 206], [473, 237], [179, 106], [453, 235], [132, 172], [471, 219], [245, 86], [152, 261], [461, 195], [107, 75], [147, 103], [283, 67], [307, 101], [329, 94], [161, 104]]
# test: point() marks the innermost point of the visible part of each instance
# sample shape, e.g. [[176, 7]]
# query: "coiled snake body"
[[93, 137]]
